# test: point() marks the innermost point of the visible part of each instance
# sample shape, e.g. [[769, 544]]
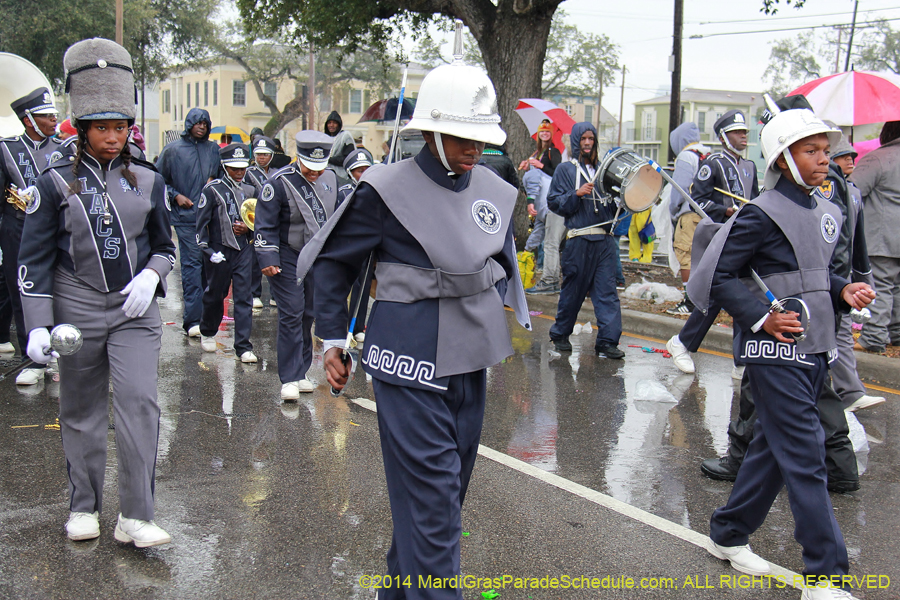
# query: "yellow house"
[[231, 100]]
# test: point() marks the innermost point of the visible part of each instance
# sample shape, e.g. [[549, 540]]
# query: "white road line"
[[658, 523]]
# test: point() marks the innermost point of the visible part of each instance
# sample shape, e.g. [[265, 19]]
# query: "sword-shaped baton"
[[655, 165], [345, 353], [776, 305]]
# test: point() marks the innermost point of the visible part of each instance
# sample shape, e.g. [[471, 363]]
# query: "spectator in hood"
[[685, 140], [341, 148], [495, 157], [187, 165]]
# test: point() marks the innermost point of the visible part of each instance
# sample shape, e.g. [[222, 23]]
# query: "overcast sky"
[[643, 30]]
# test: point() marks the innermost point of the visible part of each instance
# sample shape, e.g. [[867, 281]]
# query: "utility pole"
[[120, 11], [837, 54], [852, 31], [600, 101], [675, 67], [621, 107], [312, 88]]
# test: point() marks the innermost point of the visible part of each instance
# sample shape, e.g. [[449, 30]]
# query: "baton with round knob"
[[64, 338]]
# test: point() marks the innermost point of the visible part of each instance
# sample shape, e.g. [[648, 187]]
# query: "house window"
[[355, 101], [215, 92], [167, 101], [648, 126], [197, 93], [570, 110], [239, 93], [589, 113], [188, 88], [205, 93], [701, 121], [270, 89]]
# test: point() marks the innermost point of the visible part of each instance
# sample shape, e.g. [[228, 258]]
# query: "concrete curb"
[[872, 368]]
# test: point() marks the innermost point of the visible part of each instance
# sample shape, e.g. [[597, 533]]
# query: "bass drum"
[[630, 177]]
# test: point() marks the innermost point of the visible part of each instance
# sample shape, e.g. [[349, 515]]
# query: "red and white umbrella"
[[855, 97], [534, 110]]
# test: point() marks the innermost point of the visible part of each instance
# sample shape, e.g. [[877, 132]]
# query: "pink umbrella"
[[855, 97], [534, 110], [863, 148]]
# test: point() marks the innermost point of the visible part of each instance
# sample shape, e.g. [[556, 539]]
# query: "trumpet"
[[248, 212], [21, 199]]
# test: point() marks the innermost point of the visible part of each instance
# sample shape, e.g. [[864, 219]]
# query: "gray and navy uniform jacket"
[[851, 258], [187, 165], [446, 262], [724, 171], [219, 207], [562, 199], [788, 237], [257, 178], [67, 231], [21, 162], [289, 212]]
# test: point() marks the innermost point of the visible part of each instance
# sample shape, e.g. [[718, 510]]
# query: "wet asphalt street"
[[579, 478]]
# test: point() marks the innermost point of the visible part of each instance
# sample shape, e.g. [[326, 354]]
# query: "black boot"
[[720, 469], [562, 344], [610, 351]]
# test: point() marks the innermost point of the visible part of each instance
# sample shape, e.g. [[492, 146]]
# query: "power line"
[[771, 19], [698, 36]]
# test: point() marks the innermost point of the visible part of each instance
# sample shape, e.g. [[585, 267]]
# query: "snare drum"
[[630, 177]]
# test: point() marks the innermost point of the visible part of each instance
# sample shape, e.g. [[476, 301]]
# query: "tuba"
[[18, 77], [248, 212]]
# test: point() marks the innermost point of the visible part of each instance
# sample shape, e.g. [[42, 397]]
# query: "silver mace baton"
[[64, 338], [655, 165]]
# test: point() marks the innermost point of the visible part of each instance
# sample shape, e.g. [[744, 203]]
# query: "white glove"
[[140, 291], [39, 349], [217, 258]]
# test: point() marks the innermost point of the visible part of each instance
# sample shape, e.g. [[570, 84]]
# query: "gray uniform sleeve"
[[205, 207], [38, 256], [162, 248], [268, 215]]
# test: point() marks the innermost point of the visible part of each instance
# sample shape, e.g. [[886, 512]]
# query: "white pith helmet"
[[458, 100], [784, 129]]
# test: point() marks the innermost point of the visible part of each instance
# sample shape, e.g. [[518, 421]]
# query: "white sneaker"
[[142, 533], [194, 331], [741, 558], [360, 337], [824, 591], [306, 385], [272, 302], [290, 391], [737, 373], [248, 357], [865, 402], [7, 348], [30, 376], [208, 344], [680, 355], [257, 303], [83, 526]]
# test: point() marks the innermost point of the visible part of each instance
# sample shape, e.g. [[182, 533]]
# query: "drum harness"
[[592, 229]]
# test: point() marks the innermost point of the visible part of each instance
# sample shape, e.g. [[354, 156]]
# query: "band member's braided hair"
[[75, 186]]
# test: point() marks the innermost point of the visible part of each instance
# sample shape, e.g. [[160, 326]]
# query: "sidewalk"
[[875, 369]]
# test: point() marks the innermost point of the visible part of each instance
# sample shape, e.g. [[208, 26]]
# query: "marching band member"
[[22, 158], [292, 207], [257, 176], [787, 236], [96, 250], [227, 246], [440, 228], [356, 164]]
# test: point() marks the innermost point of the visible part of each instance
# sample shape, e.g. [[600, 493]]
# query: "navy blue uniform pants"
[[589, 267], [788, 449], [256, 276], [6, 310], [193, 277], [233, 272], [10, 240], [295, 317], [429, 440]]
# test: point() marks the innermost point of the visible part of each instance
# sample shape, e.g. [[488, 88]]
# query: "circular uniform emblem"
[[202, 202], [829, 228], [704, 173], [55, 156], [268, 192], [486, 216], [35, 201]]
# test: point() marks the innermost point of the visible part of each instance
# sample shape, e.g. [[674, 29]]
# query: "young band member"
[[440, 229], [96, 250], [227, 246], [787, 237]]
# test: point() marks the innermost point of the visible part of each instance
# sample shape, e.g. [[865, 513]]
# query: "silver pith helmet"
[[100, 81]]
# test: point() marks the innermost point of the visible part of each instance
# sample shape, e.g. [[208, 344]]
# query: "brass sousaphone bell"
[[248, 212]]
